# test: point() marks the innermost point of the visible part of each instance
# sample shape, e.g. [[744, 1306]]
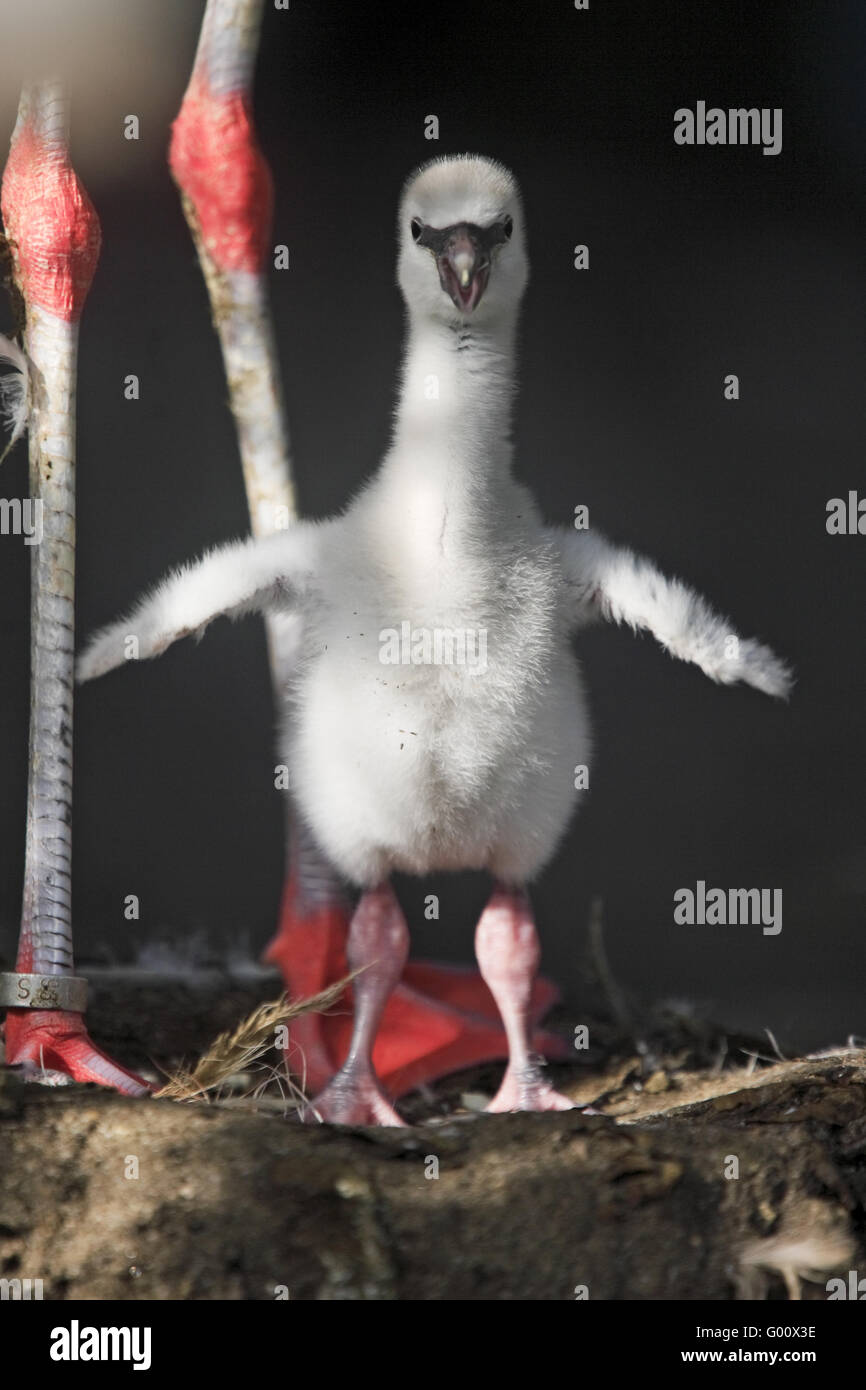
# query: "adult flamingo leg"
[[508, 952], [438, 1020], [53, 230], [227, 194]]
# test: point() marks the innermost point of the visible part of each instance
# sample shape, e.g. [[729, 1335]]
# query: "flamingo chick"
[[438, 1019], [439, 711]]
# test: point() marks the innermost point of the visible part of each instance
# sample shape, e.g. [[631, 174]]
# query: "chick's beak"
[[463, 271]]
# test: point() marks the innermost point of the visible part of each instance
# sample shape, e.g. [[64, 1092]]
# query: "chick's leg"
[[377, 947], [508, 953]]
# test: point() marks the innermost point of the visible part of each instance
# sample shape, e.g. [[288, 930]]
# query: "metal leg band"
[[19, 991]]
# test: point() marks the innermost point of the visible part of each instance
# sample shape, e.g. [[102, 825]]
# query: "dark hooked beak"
[[464, 269]]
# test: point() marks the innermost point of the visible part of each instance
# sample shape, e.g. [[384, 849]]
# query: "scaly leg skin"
[[54, 1047], [53, 231], [378, 946], [227, 194], [508, 952]]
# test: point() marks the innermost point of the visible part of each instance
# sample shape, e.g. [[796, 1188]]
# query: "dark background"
[[703, 261]]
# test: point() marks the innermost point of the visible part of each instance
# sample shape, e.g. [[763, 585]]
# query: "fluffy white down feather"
[[419, 767], [13, 393]]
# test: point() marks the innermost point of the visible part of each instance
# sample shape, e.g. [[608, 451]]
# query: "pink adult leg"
[[508, 953], [378, 946], [54, 232]]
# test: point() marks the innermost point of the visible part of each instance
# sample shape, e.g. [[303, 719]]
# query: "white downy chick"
[[438, 713]]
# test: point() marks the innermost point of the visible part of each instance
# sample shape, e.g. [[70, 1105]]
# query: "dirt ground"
[[707, 1171]]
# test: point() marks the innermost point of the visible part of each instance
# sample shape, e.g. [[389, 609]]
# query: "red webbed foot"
[[54, 1047]]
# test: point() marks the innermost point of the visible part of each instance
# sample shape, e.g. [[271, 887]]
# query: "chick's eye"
[[507, 227], [416, 227]]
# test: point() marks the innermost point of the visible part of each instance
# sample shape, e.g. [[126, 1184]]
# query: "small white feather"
[[13, 393]]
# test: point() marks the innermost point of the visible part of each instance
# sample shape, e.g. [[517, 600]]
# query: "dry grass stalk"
[[252, 1039]]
